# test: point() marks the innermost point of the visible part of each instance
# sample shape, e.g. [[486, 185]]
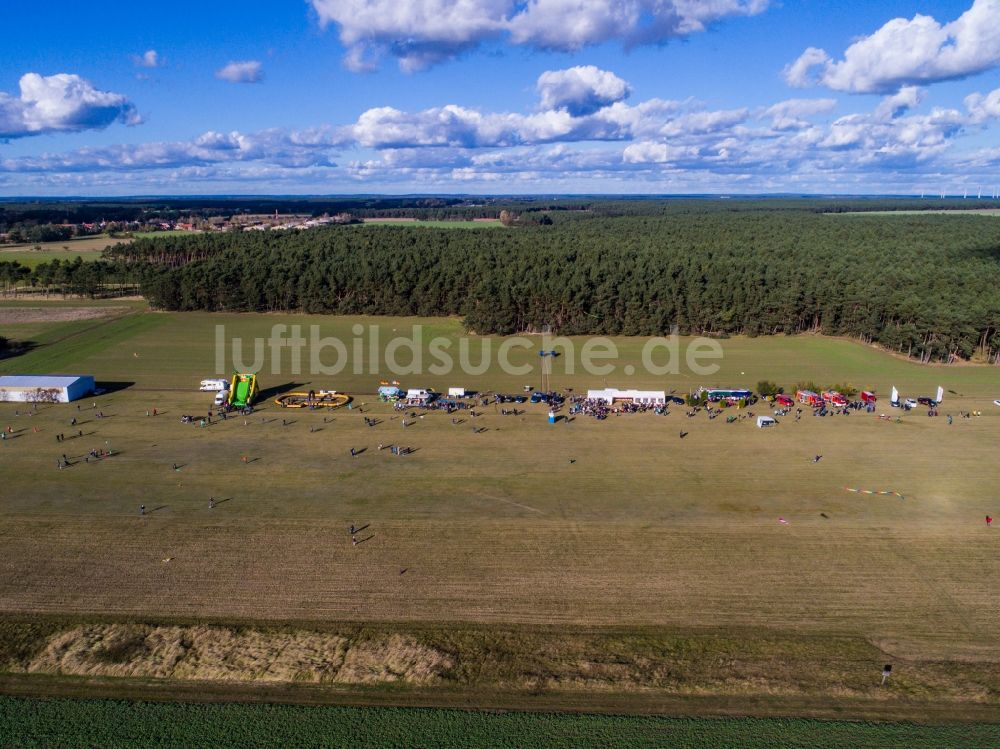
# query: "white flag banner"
[[940, 394], [894, 398]]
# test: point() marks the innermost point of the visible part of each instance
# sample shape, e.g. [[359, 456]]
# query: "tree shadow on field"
[[22, 347]]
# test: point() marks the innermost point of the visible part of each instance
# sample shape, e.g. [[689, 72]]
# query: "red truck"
[[834, 398], [809, 398], [868, 397]]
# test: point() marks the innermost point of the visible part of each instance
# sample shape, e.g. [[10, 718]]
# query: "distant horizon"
[[497, 196]]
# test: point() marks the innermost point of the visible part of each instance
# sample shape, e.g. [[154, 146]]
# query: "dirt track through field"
[[18, 315], [925, 585]]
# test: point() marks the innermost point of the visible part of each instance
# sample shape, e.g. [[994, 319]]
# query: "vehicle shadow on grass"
[[277, 390]]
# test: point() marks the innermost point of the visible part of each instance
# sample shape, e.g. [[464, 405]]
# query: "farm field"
[[611, 559], [85, 723], [87, 248]]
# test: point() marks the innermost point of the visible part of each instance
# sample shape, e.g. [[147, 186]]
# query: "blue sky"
[[500, 96]]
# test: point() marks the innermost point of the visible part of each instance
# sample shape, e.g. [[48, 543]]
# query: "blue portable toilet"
[[552, 417]]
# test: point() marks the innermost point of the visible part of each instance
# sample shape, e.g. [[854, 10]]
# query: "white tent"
[[766, 421], [646, 397], [45, 388]]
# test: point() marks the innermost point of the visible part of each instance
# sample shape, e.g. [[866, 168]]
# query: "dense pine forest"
[[923, 285]]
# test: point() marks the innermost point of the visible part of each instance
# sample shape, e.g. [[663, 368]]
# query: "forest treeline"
[[921, 285], [56, 215]]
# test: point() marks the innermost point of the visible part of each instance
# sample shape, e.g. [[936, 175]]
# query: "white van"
[[221, 397], [213, 385]]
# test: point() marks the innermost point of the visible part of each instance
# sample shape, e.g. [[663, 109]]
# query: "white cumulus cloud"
[[566, 144], [580, 90], [983, 107], [907, 52], [902, 101], [420, 33], [245, 71], [61, 103], [791, 113]]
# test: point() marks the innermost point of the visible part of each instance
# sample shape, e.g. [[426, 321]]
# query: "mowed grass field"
[[509, 522]]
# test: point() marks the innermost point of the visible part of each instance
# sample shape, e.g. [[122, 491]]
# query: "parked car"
[[910, 403], [924, 400]]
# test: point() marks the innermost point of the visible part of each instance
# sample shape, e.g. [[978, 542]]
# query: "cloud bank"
[[584, 132], [422, 33]]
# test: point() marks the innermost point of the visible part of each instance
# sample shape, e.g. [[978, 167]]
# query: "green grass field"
[[109, 724], [585, 563]]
